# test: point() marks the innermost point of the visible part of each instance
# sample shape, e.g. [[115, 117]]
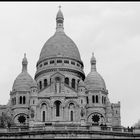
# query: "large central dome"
[[60, 53], [60, 45]]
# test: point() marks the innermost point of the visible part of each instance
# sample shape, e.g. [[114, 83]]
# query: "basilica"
[[60, 92]]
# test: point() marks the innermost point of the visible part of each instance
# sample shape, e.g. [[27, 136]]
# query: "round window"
[[21, 119], [95, 118]]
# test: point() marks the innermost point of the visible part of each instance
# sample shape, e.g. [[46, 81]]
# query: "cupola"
[[94, 80], [24, 81]]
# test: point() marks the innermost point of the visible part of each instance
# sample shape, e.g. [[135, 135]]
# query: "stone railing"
[[41, 127]]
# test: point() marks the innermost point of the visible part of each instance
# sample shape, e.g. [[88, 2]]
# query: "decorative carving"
[[82, 112], [32, 113]]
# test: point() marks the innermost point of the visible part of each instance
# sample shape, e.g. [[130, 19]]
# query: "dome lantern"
[[24, 63], [59, 20], [93, 63]]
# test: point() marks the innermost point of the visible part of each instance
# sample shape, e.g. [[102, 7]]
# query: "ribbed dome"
[[24, 81], [94, 81], [60, 45]]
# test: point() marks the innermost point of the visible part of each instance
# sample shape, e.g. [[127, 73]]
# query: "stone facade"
[[60, 93]]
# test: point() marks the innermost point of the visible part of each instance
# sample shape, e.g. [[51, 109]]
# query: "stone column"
[[63, 116], [51, 114]]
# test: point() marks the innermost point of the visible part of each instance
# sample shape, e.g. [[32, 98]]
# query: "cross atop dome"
[[59, 6], [59, 20]]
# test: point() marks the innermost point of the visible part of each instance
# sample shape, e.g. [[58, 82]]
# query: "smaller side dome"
[[24, 81], [94, 80]]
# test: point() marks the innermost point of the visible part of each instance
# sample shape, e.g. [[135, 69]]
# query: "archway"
[[21, 119], [43, 112], [57, 105], [96, 119]]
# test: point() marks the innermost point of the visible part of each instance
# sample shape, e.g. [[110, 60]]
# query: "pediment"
[[70, 92], [57, 74], [44, 92], [67, 91]]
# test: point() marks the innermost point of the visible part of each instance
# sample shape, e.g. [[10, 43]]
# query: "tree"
[[6, 121]]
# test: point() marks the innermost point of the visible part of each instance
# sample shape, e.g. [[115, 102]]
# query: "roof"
[[23, 82], [94, 81], [60, 45]]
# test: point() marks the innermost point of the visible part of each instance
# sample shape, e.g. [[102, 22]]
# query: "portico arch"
[[96, 118], [21, 118], [57, 104], [71, 101]]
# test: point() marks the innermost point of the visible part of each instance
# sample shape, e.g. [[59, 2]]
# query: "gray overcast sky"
[[109, 29]]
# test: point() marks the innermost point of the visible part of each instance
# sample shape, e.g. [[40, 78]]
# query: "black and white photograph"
[[69, 70]]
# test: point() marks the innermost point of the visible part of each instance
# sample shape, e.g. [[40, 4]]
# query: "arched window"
[[102, 99], [20, 100], [67, 80], [66, 61], [52, 62], [93, 99], [96, 98], [72, 62], [73, 83], [45, 82], [15, 100], [40, 85], [24, 99], [71, 105], [12, 101], [59, 61], [57, 105], [71, 115], [87, 99], [43, 116], [43, 104]]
